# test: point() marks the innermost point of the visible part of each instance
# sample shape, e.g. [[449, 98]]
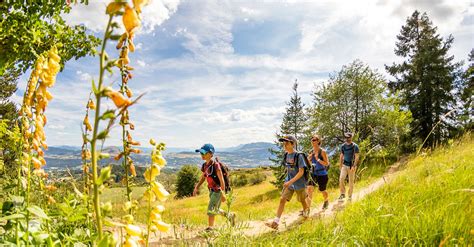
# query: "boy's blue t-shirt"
[[349, 150], [293, 170]]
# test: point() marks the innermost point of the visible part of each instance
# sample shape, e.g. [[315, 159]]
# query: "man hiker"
[[348, 160], [295, 182], [212, 173], [319, 174]]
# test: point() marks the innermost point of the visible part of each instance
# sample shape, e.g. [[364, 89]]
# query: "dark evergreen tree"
[[8, 82], [425, 79], [294, 123], [187, 178], [466, 95]]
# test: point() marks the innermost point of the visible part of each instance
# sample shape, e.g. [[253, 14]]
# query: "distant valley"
[[243, 156]]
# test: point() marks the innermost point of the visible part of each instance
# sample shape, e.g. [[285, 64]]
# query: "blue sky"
[[221, 71]]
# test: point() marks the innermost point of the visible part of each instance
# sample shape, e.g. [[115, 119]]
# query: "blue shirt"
[[349, 151], [319, 169], [293, 170]]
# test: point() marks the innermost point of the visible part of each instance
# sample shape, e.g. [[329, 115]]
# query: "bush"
[[187, 177]]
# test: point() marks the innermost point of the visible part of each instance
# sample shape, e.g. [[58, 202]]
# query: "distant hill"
[[242, 156]]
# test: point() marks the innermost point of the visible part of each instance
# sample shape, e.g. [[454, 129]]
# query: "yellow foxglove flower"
[[118, 98], [155, 216], [130, 19], [132, 170], [160, 191], [162, 226], [130, 242], [158, 159], [51, 200], [87, 123], [158, 209], [148, 195], [36, 163], [138, 4], [91, 104], [133, 230]]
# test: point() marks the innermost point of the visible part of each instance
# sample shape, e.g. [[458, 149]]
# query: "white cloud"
[[93, 15]]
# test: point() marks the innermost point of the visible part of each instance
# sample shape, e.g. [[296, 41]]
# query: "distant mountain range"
[[242, 156]]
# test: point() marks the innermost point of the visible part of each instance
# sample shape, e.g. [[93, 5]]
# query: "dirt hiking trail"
[[182, 235]]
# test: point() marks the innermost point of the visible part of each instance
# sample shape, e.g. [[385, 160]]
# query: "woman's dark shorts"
[[322, 181]]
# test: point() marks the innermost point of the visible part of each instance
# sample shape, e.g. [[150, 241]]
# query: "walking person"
[[319, 174], [348, 160], [295, 183], [212, 173]]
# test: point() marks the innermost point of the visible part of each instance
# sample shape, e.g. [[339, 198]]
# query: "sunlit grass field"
[[256, 202]]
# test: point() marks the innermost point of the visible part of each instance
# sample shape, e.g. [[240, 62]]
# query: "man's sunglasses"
[[314, 140]]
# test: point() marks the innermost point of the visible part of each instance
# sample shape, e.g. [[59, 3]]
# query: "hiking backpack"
[[308, 168], [225, 174]]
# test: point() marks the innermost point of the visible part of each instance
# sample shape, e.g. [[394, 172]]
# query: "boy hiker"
[[212, 173], [348, 160], [319, 174], [295, 182]]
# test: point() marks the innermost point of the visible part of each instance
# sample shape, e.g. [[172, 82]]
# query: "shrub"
[[187, 177]]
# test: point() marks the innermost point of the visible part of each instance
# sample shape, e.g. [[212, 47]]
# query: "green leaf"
[[37, 211], [94, 88], [12, 217], [102, 135], [108, 115]]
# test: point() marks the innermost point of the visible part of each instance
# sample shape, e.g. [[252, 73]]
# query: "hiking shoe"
[[301, 213], [272, 225], [325, 205], [305, 213], [209, 229], [349, 199], [232, 219], [341, 197]]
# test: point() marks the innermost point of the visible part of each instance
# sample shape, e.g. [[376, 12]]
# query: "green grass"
[[430, 202], [256, 202]]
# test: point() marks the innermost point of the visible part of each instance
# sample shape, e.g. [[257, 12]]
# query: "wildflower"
[[51, 200], [133, 230], [129, 242], [132, 170], [149, 195], [158, 209], [159, 191], [162, 226], [158, 159], [138, 4], [130, 19], [91, 104], [87, 123], [36, 163], [118, 98], [51, 188]]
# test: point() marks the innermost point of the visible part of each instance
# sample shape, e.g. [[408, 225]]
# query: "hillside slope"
[[428, 203]]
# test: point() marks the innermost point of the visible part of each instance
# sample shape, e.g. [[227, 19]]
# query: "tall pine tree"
[[294, 123], [466, 96], [425, 79]]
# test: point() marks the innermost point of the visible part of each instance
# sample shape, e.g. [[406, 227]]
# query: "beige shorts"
[[288, 194]]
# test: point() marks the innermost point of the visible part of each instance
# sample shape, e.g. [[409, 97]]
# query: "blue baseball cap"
[[205, 149]]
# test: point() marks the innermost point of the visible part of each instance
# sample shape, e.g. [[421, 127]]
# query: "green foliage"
[[354, 99], [187, 178], [245, 178], [425, 79], [466, 95], [29, 29], [294, 123]]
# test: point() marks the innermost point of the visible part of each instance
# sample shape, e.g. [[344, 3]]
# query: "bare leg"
[[211, 220], [281, 207], [309, 199]]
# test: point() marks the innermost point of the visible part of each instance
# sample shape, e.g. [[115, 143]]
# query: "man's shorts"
[[322, 181], [300, 194], [214, 203]]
